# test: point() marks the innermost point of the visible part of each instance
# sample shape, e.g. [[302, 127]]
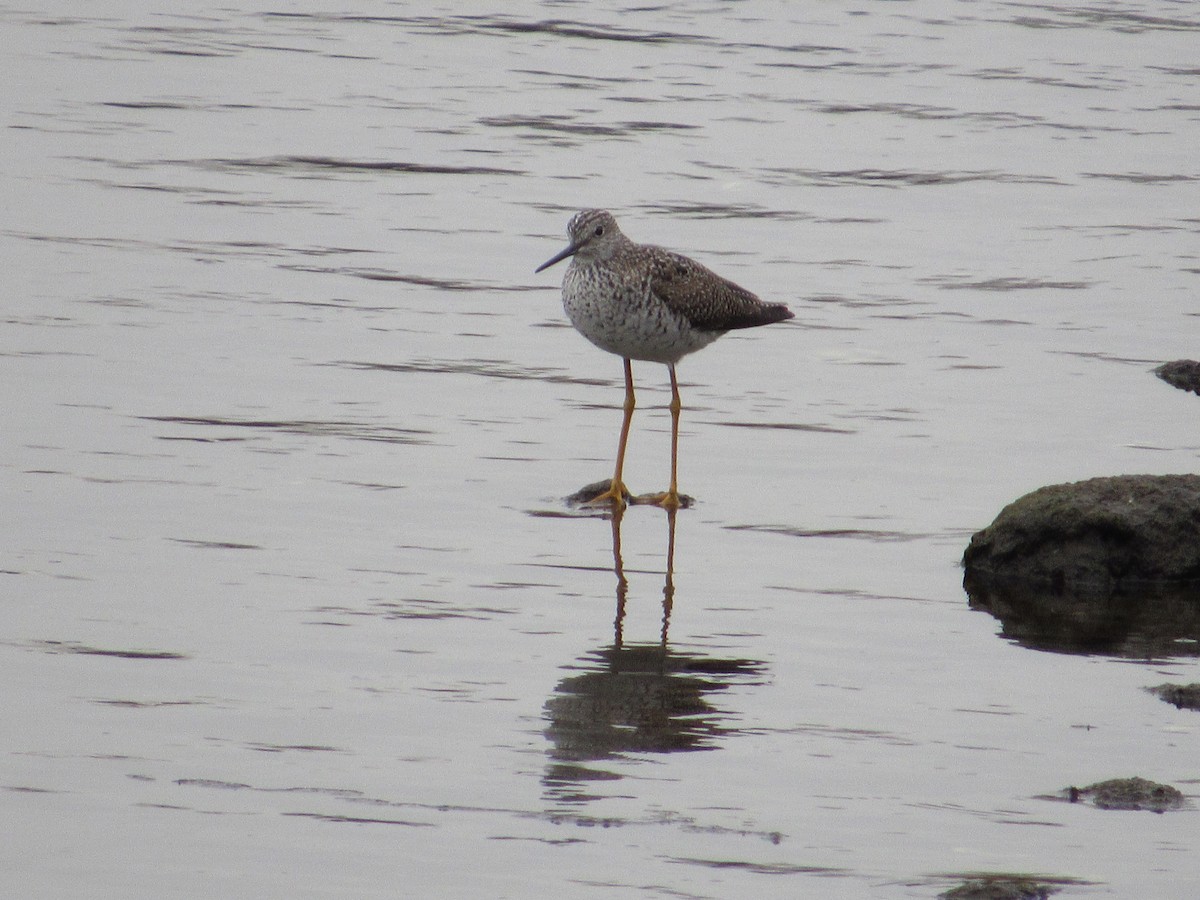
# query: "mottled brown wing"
[[708, 301]]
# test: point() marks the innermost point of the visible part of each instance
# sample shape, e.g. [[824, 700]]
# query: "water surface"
[[295, 604]]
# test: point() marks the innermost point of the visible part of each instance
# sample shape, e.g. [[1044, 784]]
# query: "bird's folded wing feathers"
[[708, 301]]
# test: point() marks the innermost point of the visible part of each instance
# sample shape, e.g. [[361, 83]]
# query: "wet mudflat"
[[295, 603]]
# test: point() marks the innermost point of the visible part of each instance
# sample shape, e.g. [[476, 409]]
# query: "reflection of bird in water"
[[646, 303], [635, 698]]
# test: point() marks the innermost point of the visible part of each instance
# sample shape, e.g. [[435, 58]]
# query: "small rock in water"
[[590, 492], [1000, 887], [1181, 373], [1181, 696], [1128, 793]]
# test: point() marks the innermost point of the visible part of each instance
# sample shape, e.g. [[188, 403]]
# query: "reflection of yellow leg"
[[617, 491], [670, 499], [622, 582]]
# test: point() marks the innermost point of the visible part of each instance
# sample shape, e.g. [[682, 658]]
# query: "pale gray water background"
[[293, 604]]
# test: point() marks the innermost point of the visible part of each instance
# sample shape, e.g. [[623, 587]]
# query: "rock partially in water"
[[1109, 565], [1181, 373], [1000, 887], [1181, 696], [1099, 533], [588, 494], [1128, 793]]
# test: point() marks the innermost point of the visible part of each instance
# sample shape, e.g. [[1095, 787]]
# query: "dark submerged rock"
[[1181, 373], [1000, 887], [1128, 793]]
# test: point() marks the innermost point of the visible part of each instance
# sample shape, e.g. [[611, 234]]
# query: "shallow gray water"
[[295, 605]]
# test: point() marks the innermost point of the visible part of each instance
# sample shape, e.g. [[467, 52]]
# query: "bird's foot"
[[665, 499], [602, 493]]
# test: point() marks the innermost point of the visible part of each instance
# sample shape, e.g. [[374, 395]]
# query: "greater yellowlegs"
[[647, 303]]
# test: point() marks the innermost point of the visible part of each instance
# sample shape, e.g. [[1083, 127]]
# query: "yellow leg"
[[670, 499], [617, 491], [676, 409]]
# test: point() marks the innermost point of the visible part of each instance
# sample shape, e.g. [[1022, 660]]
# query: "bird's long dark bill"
[[570, 251]]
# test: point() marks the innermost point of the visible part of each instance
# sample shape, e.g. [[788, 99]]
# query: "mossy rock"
[[1099, 534]]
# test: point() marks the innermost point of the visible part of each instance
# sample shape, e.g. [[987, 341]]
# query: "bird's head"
[[593, 236]]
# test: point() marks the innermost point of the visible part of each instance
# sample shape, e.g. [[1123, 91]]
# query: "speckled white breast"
[[618, 314]]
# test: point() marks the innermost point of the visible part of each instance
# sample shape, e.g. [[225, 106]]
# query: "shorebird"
[[647, 303]]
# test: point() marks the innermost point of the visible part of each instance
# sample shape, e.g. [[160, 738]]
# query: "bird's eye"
[[599, 230]]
